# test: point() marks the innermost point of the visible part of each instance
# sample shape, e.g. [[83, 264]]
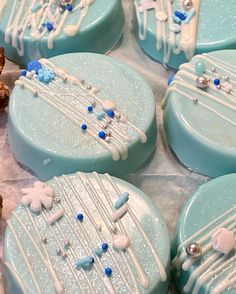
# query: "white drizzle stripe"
[[142, 275], [70, 262], [75, 80], [17, 277], [229, 282], [45, 259], [107, 282], [165, 37], [162, 271], [2, 6], [96, 200], [19, 18], [21, 250], [88, 214]]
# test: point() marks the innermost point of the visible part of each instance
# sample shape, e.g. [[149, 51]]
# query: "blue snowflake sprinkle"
[[34, 65], [46, 75]]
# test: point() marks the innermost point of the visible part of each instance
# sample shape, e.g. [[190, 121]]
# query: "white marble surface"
[[163, 178]]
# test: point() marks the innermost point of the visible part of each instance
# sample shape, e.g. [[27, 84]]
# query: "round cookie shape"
[[173, 31], [32, 29], [199, 113], [59, 122], [86, 233], [204, 245]]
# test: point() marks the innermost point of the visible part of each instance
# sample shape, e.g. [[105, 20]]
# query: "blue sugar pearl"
[[216, 82], [104, 246], [80, 217], [180, 15], [90, 108], [69, 7], [24, 72], [111, 113], [84, 127], [200, 68], [108, 271], [102, 135], [50, 26]]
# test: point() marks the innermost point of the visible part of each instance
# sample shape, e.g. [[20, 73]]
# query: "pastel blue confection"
[[200, 114], [36, 259], [207, 222], [52, 132], [49, 28], [172, 32]]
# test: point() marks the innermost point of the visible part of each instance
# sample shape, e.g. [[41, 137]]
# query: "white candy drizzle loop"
[[168, 25], [29, 21]]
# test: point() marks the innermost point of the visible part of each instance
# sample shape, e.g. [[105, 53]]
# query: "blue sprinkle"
[[46, 75], [100, 115], [216, 82], [180, 15], [111, 113], [171, 78], [90, 108], [34, 65], [98, 251], [104, 246], [49, 26], [84, 127], [108, 271], [84, 262], [122, 200], [24, 72], [69, 7], [102, 135], [190, 15], [80, 217]]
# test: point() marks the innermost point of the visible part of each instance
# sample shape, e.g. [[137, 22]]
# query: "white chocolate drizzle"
[[24, 22], [72, 100], [185, 84], [213, 268], [170, 36]]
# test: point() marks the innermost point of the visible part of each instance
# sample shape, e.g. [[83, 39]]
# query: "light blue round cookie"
[[98, 235], [174, 40], [207, 219], [63, 121], [34, 29], [199, 120]]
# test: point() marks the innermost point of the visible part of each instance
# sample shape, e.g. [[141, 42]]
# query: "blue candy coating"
[[102, 135], [108, 271], [122, 200], [104, 246], [80, 217], [216, 82], [34, 65], [111, 113]]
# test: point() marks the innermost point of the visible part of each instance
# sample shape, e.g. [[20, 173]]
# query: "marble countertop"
[[163, 178]]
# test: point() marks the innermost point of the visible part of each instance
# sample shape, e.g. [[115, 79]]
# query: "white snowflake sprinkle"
[[37, 197]]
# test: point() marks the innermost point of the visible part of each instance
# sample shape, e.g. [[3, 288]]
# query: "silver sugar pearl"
[[194, 250], [228, 91], [57, 200], [213, 69], [29, 25], [218, 86], [67, 244], [118, 115], [64, 79], [104, 126], [195, 100], [40, 29], [227, 78], [35, 93], [44, 240], [187, 4], [108, 133], [201, 82], [82, 81], [93, 103], [58, 251], [88, 87], [64, 255]]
